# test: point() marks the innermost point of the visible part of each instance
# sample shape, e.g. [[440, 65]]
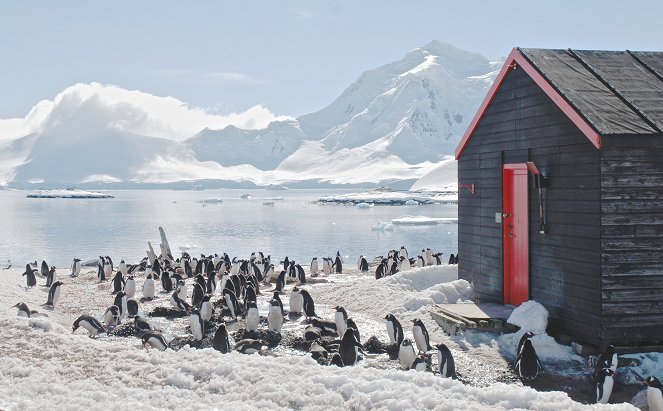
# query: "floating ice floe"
[[390, 198], [423, 220], [383, 226], [211, 201], [364, 205], [68, 193]]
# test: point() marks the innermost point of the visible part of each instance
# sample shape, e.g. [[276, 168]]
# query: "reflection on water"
[[58, 230]]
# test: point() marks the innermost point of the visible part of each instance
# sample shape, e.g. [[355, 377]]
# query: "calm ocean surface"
[[58, 230]]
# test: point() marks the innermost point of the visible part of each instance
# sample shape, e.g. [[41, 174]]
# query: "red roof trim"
[[516, 61]]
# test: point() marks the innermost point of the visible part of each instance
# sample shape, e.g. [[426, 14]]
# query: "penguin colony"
[[240, 281]]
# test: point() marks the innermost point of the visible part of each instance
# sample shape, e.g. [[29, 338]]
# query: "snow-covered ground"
[[44, 365], [68, 193]]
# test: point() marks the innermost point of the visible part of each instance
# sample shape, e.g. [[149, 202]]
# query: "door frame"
[[515, 261]]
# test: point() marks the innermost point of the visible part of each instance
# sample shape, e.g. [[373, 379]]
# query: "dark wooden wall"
[[522, 124], [632, 238]]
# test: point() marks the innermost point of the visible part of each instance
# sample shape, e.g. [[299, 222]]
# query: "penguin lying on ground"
[[155, 340], [91, 324]]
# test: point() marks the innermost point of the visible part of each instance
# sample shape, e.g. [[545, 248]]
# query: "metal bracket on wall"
[[468, 186]]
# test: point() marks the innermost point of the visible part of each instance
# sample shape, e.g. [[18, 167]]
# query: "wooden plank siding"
[[523, 124], [632, 238]]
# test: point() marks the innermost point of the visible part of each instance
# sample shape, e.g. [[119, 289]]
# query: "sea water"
[[238, 222]]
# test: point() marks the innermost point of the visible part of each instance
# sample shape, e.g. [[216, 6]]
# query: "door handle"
[[511, 235], [505, 215]]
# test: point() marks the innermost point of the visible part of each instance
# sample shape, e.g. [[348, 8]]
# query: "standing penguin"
[[362, 264], [44, 269], [278, 299], [197, 325], [117, 282], [445, 362], [309, 305], [166, 282], [123, 268], [654, 395], [142, 324], [179, 303], [406, 354], [50, 277], [101, 275], [419, 364], [603, 384], [421, 337], [351, 324], [338, 263], [269, 273], [220, 341], [121, 302], [130, 287], [252, 317], [341, 320], [91, 324], [280, 281], [112, 316], [394, 330], [404, 265], [197, 294], [76, 267], [148, 288], [607, 359], [206, 308], [54, 294], [527, 363], [523, 338], [349, 348], [32, 280], [232, 303], [301, 275], [403, 252], [274, 317], [326, 266], [314, 267], [296, 301]]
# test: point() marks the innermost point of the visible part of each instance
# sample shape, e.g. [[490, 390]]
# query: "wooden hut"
[[561, 193]]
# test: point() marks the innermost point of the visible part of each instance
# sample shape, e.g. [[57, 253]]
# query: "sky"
[[292, 57]]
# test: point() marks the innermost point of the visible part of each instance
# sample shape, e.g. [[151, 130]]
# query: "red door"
[[515, 234]]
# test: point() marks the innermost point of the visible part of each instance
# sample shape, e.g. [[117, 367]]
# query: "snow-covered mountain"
[[394, 124]]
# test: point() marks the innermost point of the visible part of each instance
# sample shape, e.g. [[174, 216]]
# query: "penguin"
[[50, 277], [121, 302], [130, 287], [313, 268], [349, 348], [438, 258], [280, 281], [318, 352], [278, 299], [607, 359], [220, 341], [523, 338], [341, 318], [44, 269], [117, 282], [179, 303], [351, 324], [91, 324], [338, 264], [604, 383], [166, 282], [269, 273], [274, 317], [248, 346], [405, 264], [232, 303], [75, 267], [328, 327], [252, 317], [403, 252], [206, 308], [155, 340], [182, 290], [451, 259], [654, 397], [54, 294], [336, 360], [112, 316], [132, 307], [527, 363], [23, 310], [312, 333], [308, 305], [197, 294], [428, 253], [250, 295], [406, 354], [210, 284], [394, 330], [123, 268], [362, 264], [421, 262], [148, 288], [326, 266], [296, 301], [301, 275], [201, 281], [445, 362], [101, 275], [142, 324], [419, 364], [456, 259], [32, 280], [421, 337], [286, 263], [197, 325], [380, 270]]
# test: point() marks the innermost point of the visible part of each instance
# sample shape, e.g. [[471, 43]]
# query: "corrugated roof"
[[614, 91]]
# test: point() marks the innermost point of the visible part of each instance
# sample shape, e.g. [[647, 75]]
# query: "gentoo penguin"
[[451, 259], [101, 275], [50, 277], [523, 338], [197, 294], [278, 299], [112, 316], [252, 317], [220, 341], [351, 324], [117, 283], [182, 290], [274, 317], [210, 284], [155, 340], [405, 264], [336, 360], [314, 267], [148, 288], [44, 269], [54, 294], [91, 324], [308, 305], [23, 310], [200, 279], [132, 307], [296, 301], [394, 330], [654, 397], [349, 348], [380, 270], [604, 383], [269, 273], [197, 325], [527, 363], [328, 327], [142, 324], [406, 354], [32, 280], [421, 262], [108, 267], [421, 337], [338, 264], [123, 268], [419, 364], [445, 362], [121, 302], [130, 287], [206, 308], [438, 258], [607, 359], [232, 303], [286, 263], [341, 320], [301, 275], [166, 282], [362, 264], [312, 333], [75, 267], [248, 346], [179, 303], [250, 295], [403, 252]]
